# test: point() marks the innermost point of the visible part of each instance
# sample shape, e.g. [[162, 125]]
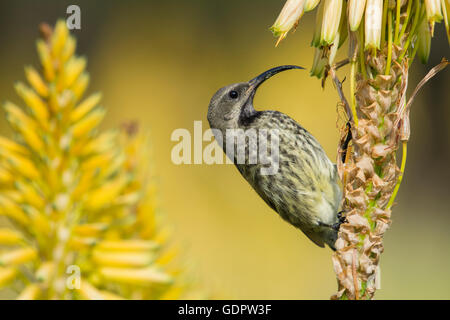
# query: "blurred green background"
[[161, 61]]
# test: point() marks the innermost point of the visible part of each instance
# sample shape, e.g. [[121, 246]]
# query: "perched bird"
[[305, 189]]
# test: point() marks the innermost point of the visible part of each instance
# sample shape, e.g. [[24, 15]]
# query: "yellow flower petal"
[[45, 271], [24, 166], [122, 259], [127, 245], [73, 69], [5, 176], [46, 61], [101, 144], [98, 161], [145, 276], [7, 275], [89, 292], [34, 102], [35, 80], [40, 222], [108, 295], [59, 38], [80, 85], [18, 256], [85, 107], [17, 117], [82, 243], [104, 195], [88, 123], [25, 125], [9, 236], [90, 229], [69, 49], [13, 146], [31, 292], [12, 210]]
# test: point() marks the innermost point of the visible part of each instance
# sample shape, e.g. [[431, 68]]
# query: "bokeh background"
[[159, 62]]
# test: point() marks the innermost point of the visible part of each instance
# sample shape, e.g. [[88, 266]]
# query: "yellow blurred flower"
[[78, 199]]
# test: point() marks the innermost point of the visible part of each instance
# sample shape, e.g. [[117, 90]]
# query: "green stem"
[[383, 24], [361, 51], [413, 30], [389, 56], [413, 55], [353, 90], [405, 24], [400, 177], [444, 11], [397, 22]]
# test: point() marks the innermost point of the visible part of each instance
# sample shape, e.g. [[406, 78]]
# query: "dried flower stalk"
[[382, 46]]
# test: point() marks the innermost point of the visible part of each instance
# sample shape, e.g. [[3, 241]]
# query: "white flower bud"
[[330, 22], [355, 13], [319, 64], [373, 18], [434, 12], [446, 12], [318, 28], [311, 4], [288, 18]]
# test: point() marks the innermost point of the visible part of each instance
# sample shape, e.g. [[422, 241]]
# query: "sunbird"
[[305, 189]]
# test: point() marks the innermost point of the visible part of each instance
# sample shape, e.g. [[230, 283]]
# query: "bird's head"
[[233, 105]]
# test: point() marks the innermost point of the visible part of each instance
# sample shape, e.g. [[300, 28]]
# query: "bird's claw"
[[341, 219]]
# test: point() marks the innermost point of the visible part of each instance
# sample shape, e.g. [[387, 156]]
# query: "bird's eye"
[[233, 94]]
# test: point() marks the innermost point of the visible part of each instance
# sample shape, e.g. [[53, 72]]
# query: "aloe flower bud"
[[318, 28], [319, 64], [424, 41], [434, 12], [311, 4], [446, 11], [288, 18], [355, 13], [331, 18], [374, 9]]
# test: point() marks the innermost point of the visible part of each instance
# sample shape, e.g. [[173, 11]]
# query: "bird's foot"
[[341, 219]]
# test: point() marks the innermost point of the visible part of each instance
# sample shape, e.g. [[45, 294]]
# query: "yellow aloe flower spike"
[[82, 201]]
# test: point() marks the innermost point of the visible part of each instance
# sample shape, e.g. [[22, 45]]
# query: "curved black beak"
[[248, 110], [256, 82]]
